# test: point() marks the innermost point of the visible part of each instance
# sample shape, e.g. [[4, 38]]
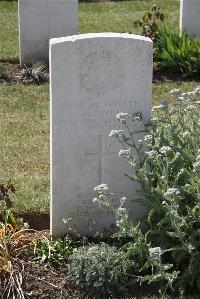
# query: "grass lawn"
[[93, 17], [24, 110], [24, 146]]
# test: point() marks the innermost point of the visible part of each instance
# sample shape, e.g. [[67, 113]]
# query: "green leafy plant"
[[179, 54], [166, 164], [150, 22], [101, 269], [2, 70], [6, 204], [173, 52], [53, 250]]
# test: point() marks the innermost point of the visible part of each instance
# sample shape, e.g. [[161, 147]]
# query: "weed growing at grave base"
[[166, 164], [150, 22], [38, 74], [53, 250], [13, 240]]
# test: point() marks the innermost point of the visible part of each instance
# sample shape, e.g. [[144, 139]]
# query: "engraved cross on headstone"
[[101, 153]]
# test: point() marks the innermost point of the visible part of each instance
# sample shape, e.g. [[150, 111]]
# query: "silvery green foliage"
[[101, 269], [165, 159]]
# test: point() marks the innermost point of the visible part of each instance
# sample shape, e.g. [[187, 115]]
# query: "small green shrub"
[[101, 269], [150, 22], [53, 250], [166, 164], [179, 54], [172, 52]]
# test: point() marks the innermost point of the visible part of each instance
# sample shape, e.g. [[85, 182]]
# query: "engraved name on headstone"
[[93, 77], [40, 20]]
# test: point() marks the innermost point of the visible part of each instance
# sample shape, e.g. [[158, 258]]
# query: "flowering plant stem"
[[166, 164]]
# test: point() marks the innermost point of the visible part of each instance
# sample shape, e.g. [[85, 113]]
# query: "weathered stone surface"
[[190, 16], [93, 77], [40, 20]]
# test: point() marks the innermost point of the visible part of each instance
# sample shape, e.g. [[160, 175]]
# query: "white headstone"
[[93, 77], [190, 17], [40, 20]]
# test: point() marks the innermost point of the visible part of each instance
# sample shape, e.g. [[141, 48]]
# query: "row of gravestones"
[[41, 20], [92, 78]]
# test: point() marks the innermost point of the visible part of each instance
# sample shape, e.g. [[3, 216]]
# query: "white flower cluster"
[[192, 93], [154, 119], [196, 164], [191, 107], [121, 209], [95, 200], [125, 153], [189, 93], [155, 252], [101, 188], [158, 107], [122, 200], [26, 225], [93, 249], [171, 192], [122, 116], [175, 90], [164, 150], [148, 139], [116, 133], [121, 214], [181, 171], [151, 154], [181, 99], [197, 90], [185, 134]]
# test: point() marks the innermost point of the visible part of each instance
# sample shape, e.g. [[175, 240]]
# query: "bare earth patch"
[[39, 221], [45, 282]]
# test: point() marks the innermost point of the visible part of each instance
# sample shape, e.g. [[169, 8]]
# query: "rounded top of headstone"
[[74, 38]]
